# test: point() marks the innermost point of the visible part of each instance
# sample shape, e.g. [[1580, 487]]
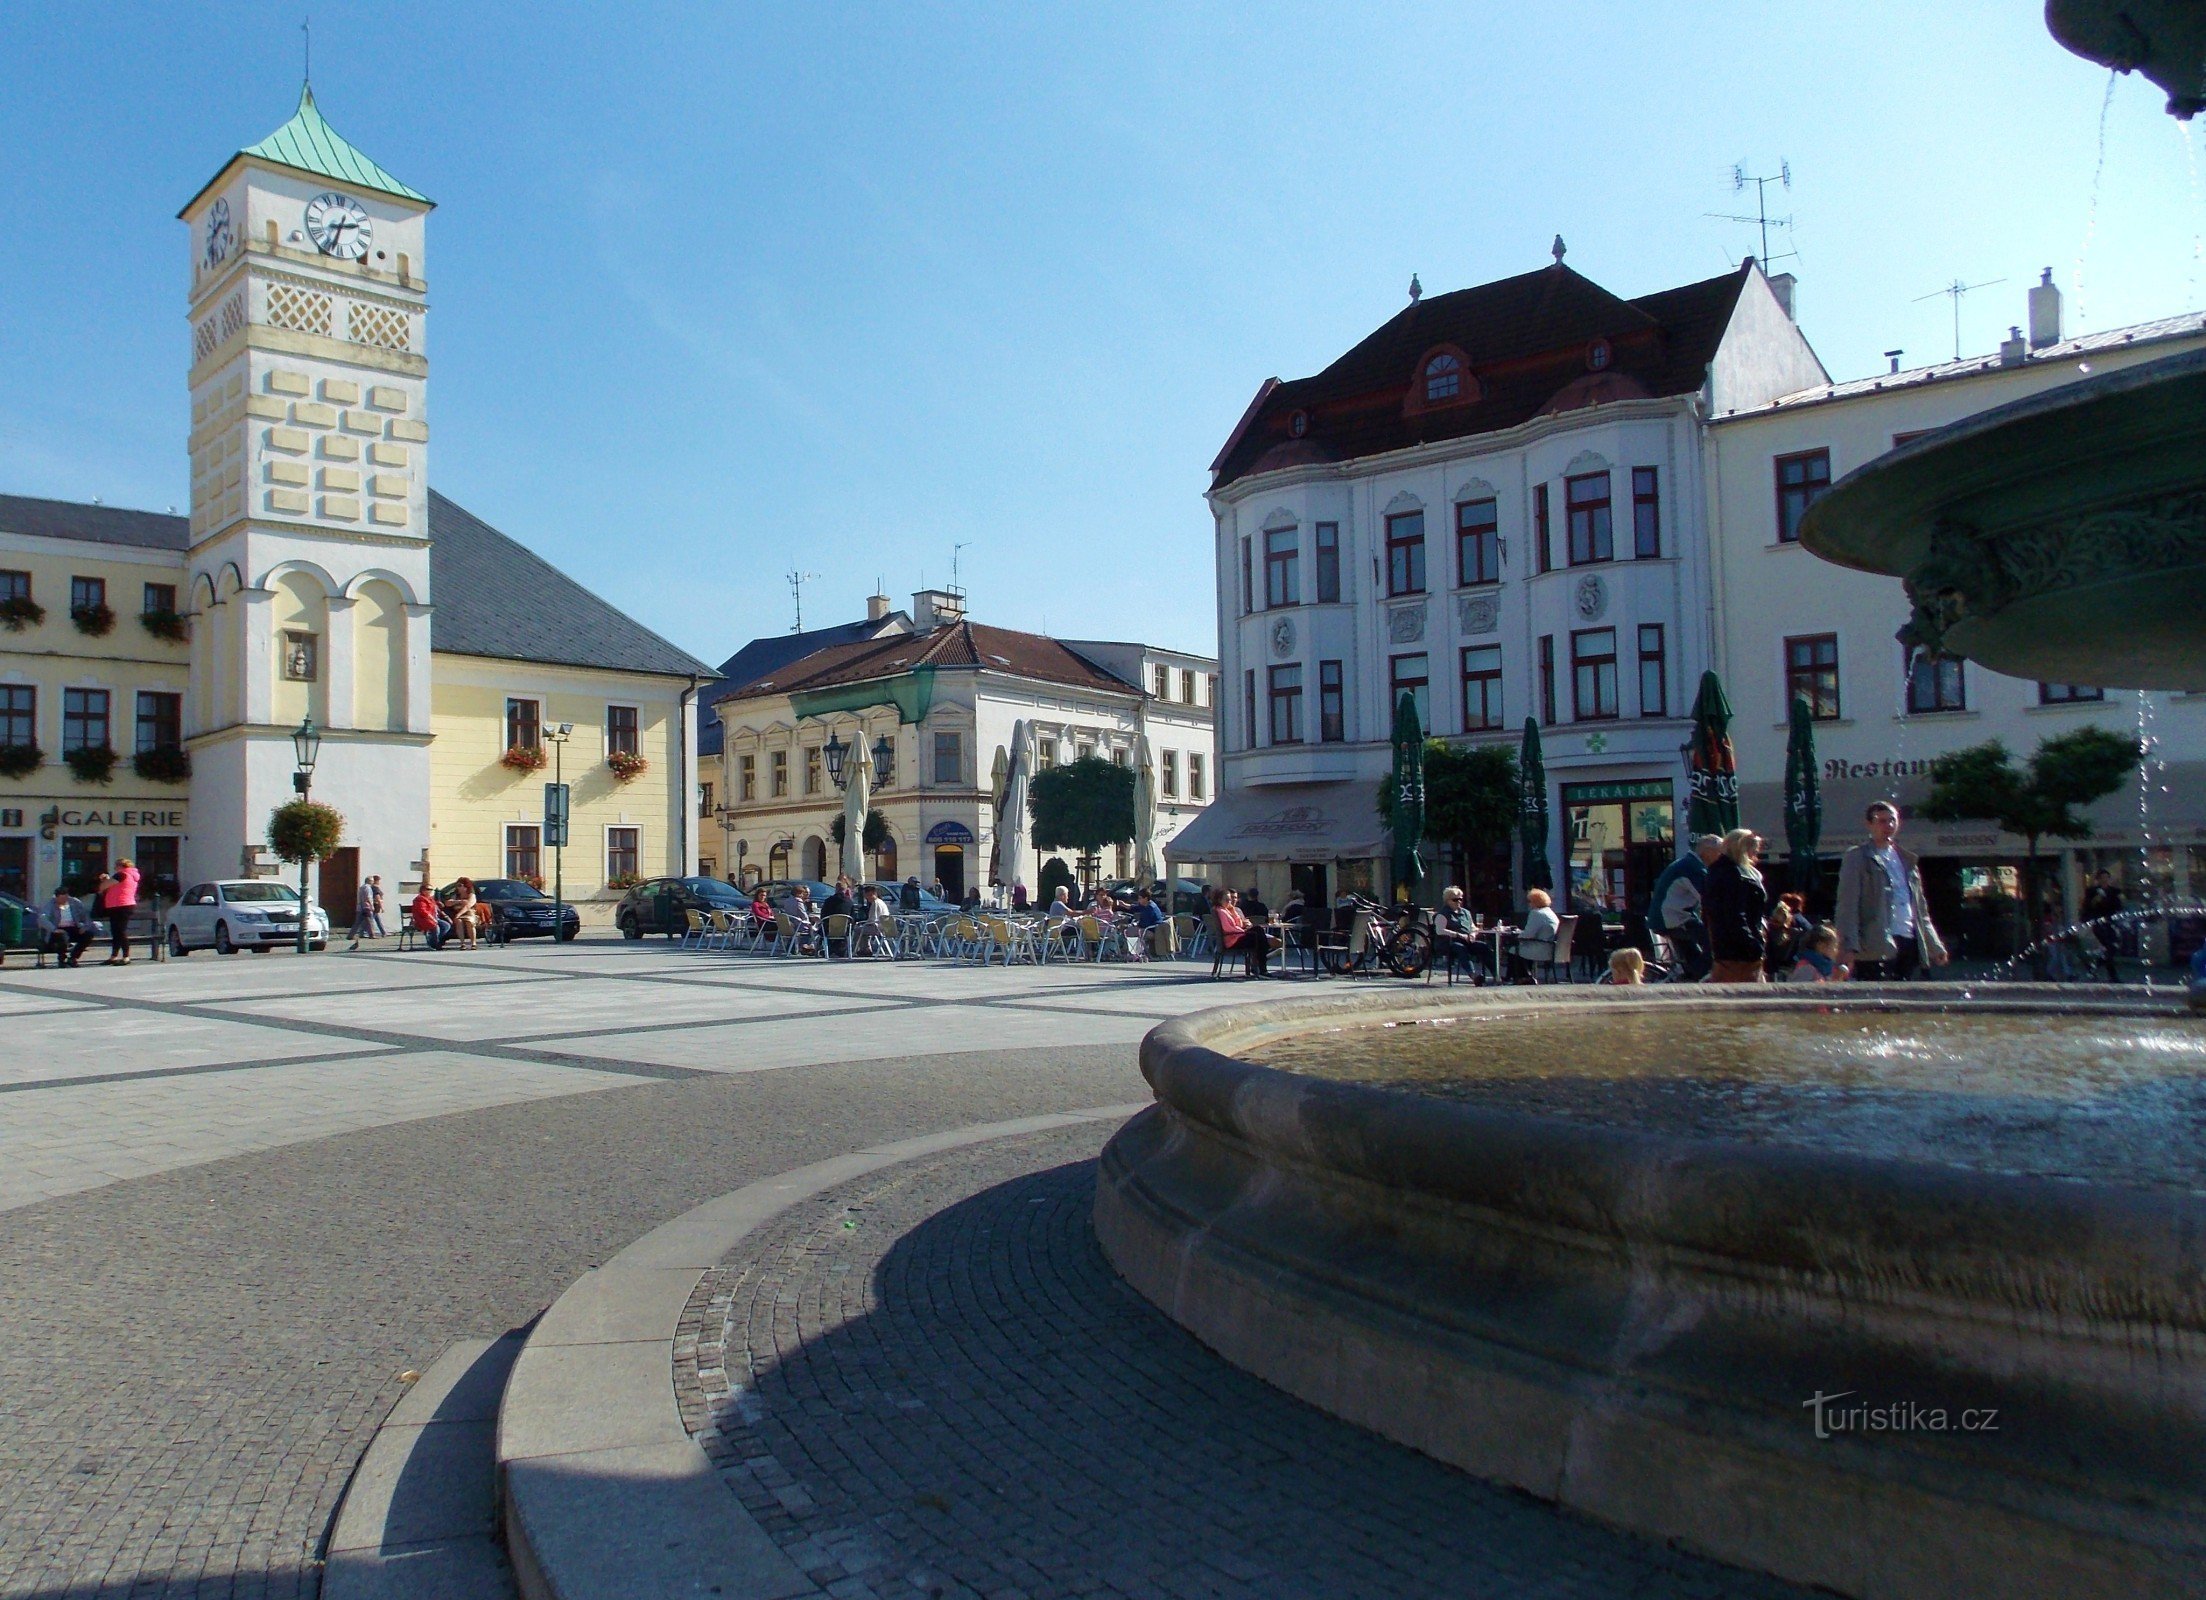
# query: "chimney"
[[1782, 287], [2012, 351], [1893, 356], [2044, 313], [877, 607], [935, 608]]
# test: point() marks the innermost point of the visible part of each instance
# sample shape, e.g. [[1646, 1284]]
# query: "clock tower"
[[309, 552]]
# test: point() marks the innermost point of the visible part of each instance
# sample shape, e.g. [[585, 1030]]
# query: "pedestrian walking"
[[68, 922], [1883, 920], [118, 904], [375, 914], [1735, 909], [1673, 909], [363, 914]]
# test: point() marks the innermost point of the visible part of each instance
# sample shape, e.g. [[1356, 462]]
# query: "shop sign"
[[949, 833], [1587, 794], [54, 818], [1837, 767]]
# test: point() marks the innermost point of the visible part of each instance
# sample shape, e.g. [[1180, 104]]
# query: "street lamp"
[[884, 761], [557, 734], [306, 748], [837, 753]]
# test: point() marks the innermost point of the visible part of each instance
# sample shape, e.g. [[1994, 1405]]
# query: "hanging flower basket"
[[524, 758], [20, 760], [167, 625], [305, 830], [20, 612], [98, 621], [91, 764], [166, 763], [626, 764]]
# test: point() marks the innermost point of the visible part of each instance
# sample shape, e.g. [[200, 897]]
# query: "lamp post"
[[837, 753], [556, 734], [884, 761], [306, 749]]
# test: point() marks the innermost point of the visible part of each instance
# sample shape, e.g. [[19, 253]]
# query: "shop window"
[[15, 867], [156, 856], [1801, 481], [1481, 688], [623, 853], [1331, 708], [1811, 674], [1286, 705], [1646, 514], [1593, 675], [1654, 697], [1327, 537], [1477, 543], [1405, 553], [1586, 507]]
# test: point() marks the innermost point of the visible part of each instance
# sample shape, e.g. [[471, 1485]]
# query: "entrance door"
[[1307, 879], [15, 868], [340, 886], [83, 859], [949, 866]]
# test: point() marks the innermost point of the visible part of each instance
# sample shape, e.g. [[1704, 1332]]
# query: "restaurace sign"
[[1836, 768], [54, 818]]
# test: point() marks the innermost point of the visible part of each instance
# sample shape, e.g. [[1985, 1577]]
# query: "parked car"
[[233, 914], [520, 910], [1187, 894], [780, 889], [662, 905], [930, 905]]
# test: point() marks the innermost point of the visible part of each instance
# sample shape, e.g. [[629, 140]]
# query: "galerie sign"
[[54, 817]]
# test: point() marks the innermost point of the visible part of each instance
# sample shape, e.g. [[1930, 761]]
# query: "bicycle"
[[1400, 945]]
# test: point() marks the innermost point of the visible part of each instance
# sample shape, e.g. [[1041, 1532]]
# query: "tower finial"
[[306, 28], [1416, 289], [1558, 249]]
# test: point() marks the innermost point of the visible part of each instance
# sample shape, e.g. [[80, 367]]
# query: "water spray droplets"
[[2091, 214]]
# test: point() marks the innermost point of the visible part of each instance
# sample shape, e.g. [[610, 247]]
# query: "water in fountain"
[[2198, 216], [2091, 212]]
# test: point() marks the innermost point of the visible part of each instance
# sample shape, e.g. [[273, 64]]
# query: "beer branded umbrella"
[[1803, 800], [1532, 820], [1711, 766], [1407, 818]]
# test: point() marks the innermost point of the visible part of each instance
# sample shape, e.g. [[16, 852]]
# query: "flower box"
[[20, 612], [92, 763], [96, 620], [524, 758], [167, 625], [626, 765], [165, 763]]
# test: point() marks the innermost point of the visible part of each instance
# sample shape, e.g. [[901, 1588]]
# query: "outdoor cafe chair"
[[788, 938], [1192, 933], [1549, 955], [912, 933], [693, 937], [1092, 938], [834, 930], [1016, 939]]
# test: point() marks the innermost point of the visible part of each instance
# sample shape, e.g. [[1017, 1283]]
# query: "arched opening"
[[298, 627], [815, 859], [379, 657], [884, 860]]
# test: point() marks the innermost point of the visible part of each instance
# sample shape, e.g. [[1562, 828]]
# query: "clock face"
[[219, 236], [338, 225]]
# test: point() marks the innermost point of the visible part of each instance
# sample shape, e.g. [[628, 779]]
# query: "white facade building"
[[1495, 504], [1796, 625], [952, 698]]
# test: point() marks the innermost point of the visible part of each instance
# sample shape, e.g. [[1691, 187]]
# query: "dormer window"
[[1443, 378]]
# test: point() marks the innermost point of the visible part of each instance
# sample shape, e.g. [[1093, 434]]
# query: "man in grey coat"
[[1883, 921]]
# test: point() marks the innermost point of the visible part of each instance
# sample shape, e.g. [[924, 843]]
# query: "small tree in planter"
[[97, 619], [20, 760], [91, 763], [2038, 800], [164, 763], [524, 758], [1084, 805], [167, 625], [626, 764], [19, 612]]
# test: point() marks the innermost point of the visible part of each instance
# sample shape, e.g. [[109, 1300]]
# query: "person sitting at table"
[[1455, 932], [872, 927], [1147, 916], [1237, 932], [762, 910], [1542, 927]]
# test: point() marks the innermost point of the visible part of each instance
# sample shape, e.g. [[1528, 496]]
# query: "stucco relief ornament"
[[1596, 743], [1592, 597], [1406, 625], [1283, 637], [1479, 613]]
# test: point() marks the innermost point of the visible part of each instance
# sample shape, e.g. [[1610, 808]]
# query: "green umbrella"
[[1803, 800], [1407, 819], [1711, 766], [1532, 821]]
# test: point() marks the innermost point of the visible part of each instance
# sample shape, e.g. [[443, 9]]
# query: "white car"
[[234, 914]]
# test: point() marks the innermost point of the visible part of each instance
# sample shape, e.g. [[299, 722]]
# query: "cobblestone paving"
[[931, 1384]]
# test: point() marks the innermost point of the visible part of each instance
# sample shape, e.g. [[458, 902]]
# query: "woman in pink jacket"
[[118, 904]]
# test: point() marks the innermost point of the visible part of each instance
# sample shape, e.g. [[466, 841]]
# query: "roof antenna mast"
[[796, 581], [1955, 290], [1761, 219], [954, 549]]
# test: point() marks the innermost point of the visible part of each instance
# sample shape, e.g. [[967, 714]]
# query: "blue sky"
[[720, 291]]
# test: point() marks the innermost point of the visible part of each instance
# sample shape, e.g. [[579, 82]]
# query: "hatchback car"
[[662, 905], [930, 905], [520, 910], [233, 914]]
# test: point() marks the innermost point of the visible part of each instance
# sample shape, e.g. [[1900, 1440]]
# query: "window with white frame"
[[623, 853]]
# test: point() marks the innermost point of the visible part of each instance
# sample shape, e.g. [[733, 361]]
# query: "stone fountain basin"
[[1633, 1324]]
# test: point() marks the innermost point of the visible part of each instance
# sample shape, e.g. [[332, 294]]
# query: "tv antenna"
[[1954, 291], [796, 581], [1761, 218], [954, 549]]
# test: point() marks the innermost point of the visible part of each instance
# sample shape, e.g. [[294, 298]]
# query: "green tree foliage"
[[2036, 801], [1055, 872], [1083, 805], [305, 830], [1470, 796], [874, 836]]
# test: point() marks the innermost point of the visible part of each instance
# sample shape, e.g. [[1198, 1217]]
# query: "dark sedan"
[[520, 910], [662, 905]]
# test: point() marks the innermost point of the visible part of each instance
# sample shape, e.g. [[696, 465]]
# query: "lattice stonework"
[[203, 341], [233, 315], [380, 326], [301, 310]]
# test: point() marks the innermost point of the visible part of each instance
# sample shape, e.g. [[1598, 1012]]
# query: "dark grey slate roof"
[[66, 519], [763, 657], [495, 597]]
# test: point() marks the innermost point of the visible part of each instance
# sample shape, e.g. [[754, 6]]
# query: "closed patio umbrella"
[[1406, 819], [857, 800], [1532, 821], [1803, 800], [1711, 766], [1145, 814], [1011, 820]]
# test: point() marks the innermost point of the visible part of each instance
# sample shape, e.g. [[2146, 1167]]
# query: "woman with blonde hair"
[[1735, 908]]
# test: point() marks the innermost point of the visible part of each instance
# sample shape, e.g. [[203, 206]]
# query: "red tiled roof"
[[1526, 339], [970, 645]]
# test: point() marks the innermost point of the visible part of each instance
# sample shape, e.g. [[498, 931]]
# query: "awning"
[[1287, 822]]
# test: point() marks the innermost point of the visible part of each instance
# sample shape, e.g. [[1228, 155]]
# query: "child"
[[1819, 959], [1627, 966]]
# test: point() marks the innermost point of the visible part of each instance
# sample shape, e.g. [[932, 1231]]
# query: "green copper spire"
[[312, 145]]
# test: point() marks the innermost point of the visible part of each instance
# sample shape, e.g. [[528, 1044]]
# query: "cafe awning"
[[1287, 822]]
